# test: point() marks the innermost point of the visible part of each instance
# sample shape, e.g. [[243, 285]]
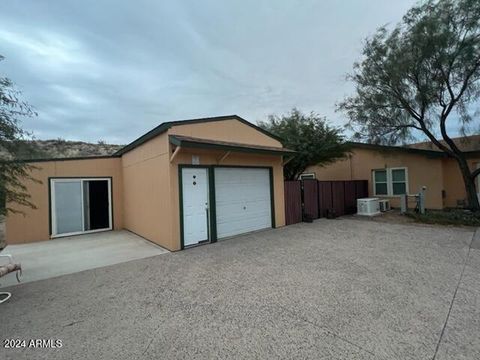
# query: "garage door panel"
[[243, 200], [262, 217], [254, 220]]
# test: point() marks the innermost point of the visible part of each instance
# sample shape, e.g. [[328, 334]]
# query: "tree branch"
[[475, 173], [446, 111]]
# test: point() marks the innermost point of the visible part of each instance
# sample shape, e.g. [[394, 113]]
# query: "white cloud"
[[52, 49]]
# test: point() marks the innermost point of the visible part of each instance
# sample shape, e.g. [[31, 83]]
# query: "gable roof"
[[167, 125]]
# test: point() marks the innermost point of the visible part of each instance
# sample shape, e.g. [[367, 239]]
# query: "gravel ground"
[[333, 289]]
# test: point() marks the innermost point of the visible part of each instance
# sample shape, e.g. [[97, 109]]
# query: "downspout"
[[351, 168]]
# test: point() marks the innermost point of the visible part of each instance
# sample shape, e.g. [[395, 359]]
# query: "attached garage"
[[222, 201], [182, 184], [243, 199]]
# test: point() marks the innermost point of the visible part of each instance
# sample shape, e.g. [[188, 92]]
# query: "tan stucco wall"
[[227, 130], [34, 224], [147, 191], [421, 171], [339, 170]]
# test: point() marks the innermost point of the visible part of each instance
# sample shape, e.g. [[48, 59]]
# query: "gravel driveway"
[[334, 289]]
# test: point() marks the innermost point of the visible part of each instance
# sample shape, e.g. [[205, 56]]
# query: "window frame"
[[390, 181], [405, 181], [380, 182], [52, 204]]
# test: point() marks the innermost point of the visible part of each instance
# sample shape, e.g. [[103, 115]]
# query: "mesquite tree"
[[421, 76], [13, 173], [315, 142]]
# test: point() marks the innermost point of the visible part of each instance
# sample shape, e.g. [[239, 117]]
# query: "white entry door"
[[243, 200], [195, 205]]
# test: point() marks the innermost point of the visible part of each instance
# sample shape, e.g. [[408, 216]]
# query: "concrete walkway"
[[334, 289], [47, 259]]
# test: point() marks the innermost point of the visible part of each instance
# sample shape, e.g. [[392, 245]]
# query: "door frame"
[[212, 213], [51, 202]]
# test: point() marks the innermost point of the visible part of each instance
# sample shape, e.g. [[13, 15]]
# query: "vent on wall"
[[307, 176]]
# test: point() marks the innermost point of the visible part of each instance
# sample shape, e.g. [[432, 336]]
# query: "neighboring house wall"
[[34, 224], [452, 179], [339, 170], [422, 171], [455, 194]]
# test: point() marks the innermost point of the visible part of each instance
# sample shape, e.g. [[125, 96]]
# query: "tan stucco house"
[[395, 170], [181, 184]]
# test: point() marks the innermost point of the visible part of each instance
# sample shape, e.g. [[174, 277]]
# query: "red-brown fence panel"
[[338, 197], [361, 189], [293, 202], [350, 197], [319, 197], [324, 197], [310, 198]]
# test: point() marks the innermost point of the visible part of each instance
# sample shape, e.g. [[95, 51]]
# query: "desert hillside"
[[42, 149]]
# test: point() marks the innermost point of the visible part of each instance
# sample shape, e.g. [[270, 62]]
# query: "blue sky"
[[112, 70]]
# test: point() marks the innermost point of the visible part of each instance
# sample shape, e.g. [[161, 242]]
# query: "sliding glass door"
[[80, 205], [68, 212]]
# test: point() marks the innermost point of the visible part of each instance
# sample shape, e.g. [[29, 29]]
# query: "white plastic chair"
[[5, 269]]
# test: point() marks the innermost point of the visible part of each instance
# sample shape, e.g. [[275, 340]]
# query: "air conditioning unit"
[[368, 206], [384, 205]]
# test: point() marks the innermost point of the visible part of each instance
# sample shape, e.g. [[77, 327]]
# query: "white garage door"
[[243, 201]]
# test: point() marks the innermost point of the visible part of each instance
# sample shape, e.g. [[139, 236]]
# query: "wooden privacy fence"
[[293, 202], [315, 199]]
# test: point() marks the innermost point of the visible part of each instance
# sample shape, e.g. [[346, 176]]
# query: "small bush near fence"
[[315, 199]]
